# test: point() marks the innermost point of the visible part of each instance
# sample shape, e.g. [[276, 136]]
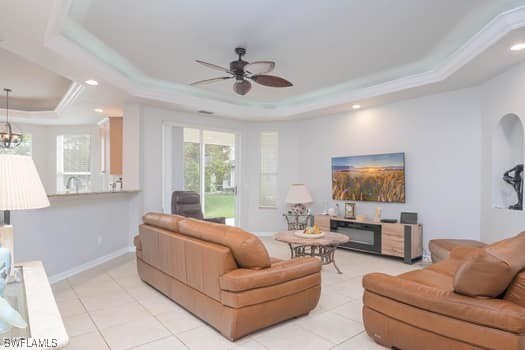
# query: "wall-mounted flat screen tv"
[[372, 178]]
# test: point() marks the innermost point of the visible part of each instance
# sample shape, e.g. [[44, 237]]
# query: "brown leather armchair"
[[188, 203], [223, 274], [475, 299]]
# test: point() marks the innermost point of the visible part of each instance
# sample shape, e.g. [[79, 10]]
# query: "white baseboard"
[[89, 265], [98, 261], [264, 234]]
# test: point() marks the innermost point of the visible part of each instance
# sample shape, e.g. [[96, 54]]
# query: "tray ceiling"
[[34, 88], [316, 44], [336, 52]]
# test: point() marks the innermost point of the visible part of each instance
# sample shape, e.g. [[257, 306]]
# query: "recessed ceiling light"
[[517, 47], [356, 106], [92, 82], [98, 110]]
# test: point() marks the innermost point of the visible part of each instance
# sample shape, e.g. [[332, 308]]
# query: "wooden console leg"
[[407, 254]]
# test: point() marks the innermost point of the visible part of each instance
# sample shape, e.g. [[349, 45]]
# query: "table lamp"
[[20, 189], [298, 195]]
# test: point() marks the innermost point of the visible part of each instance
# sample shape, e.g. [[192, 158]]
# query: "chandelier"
[[10, 137]]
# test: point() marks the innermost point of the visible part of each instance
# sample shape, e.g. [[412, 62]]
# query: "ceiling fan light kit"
[[243, 72], [242, 86]]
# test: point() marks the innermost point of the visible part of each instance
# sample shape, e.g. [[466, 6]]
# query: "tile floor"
[[109, 307]]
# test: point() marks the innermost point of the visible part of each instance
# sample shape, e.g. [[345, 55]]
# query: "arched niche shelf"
[[507, 153]]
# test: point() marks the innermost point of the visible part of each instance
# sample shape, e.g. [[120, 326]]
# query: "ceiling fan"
[[243, 72]]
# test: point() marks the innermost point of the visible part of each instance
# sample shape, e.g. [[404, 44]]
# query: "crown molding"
[[72, 93], [69, 39]]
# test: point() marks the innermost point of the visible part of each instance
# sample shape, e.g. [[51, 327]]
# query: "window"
[[269, 164], [23, 149], [73, 163]]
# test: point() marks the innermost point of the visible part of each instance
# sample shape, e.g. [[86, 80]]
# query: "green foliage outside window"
[[217, 170], [191, 166], [218, 167]]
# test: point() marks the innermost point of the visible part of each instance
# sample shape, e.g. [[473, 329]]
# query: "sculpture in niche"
[[516, 181]]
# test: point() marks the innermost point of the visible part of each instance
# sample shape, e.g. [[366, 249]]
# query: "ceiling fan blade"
[[214, 66], [209, 81], [259, 67], [271, 80]]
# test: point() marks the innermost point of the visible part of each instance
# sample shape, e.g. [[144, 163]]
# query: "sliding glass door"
[[208, 167], [219, 186]]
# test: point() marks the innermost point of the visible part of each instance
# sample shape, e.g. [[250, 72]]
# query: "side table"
[[323, 247]]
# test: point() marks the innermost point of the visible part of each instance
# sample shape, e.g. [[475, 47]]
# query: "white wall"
[[253, 218], [440, 136], [73, 231], [500, 96]]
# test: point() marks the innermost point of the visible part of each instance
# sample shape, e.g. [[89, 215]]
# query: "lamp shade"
[[298, 194], [20, 185]]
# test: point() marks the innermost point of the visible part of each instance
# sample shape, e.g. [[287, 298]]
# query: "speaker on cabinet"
[[408, 218]]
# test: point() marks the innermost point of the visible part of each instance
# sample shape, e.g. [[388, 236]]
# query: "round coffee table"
[[323, 247]]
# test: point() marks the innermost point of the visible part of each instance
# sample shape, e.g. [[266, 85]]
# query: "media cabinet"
[[399, 240]]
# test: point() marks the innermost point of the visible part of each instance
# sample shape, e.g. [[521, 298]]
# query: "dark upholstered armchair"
[[188, 203]]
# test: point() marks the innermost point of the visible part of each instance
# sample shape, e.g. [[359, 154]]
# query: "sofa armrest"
[[494, 313], [280, 272], [218, 220], [465, 252]]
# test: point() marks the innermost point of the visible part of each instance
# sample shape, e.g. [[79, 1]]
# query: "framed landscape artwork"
[[373, 178]]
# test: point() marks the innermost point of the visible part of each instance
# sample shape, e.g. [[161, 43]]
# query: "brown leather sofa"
[[223, 274], [440, 248], [475, 299]]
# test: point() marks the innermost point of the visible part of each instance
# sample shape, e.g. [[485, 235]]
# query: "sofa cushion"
[[246, 279], [165, 221], [430, 278], [483, 275], [516, 290], [247, 249], [489, 273], [265, 294]]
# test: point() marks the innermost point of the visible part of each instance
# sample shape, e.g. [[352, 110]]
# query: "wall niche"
[[507, 163]]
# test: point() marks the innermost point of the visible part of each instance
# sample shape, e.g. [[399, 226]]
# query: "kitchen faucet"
[[70, 180]]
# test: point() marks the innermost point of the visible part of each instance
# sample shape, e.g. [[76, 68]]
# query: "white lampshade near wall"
[[298, 195], [20, 189]]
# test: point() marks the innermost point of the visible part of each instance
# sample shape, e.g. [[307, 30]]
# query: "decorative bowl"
[[305, 235]]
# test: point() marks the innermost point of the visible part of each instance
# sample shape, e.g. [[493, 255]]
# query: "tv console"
[[393, 239]]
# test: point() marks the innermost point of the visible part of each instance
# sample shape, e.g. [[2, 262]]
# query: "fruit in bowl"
[[312, 230]]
